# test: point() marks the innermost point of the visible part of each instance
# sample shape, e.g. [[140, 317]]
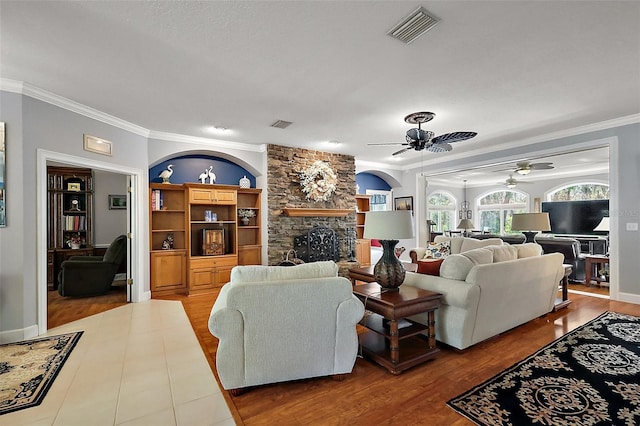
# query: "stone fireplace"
[[291, 215]]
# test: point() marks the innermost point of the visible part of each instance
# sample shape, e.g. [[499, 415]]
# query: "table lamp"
[[604, 226], [530, 224], [465, 224], [388, 227]]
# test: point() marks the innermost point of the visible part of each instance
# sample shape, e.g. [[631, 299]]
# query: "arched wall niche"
[[390, 181], [188, 166]]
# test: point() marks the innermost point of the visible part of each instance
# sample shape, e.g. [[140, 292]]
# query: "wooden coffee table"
[[365, 274], [392, 340]]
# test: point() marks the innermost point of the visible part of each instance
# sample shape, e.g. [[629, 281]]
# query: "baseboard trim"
[[628, 297], [11, 336]]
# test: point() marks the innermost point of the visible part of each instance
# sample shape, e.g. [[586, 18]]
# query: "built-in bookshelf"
[[167, 206]]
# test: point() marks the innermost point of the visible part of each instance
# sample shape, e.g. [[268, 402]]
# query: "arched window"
[[580, 191], [497, 208], [441, 208]]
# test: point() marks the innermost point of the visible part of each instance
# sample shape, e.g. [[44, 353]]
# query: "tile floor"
[[139, 364]]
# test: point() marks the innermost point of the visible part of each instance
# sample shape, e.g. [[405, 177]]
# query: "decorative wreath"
[[318, 181]]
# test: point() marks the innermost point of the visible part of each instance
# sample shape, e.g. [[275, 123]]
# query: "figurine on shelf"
[[212, 176], [167, 244], [204, 175], [166, 174]]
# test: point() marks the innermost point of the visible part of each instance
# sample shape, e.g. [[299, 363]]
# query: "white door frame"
[[136, 223]]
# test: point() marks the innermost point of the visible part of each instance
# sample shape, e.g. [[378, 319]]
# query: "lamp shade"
[[465, 224], [603, 225], [531, 222], [388, 225]]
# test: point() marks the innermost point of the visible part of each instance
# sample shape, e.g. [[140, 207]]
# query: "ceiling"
[[510, 71]]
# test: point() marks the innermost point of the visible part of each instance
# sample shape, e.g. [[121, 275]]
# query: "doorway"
[[136, 273]]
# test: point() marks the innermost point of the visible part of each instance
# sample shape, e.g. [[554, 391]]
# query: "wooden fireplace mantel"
[[302, 212]]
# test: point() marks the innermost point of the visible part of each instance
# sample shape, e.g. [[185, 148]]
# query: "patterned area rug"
[[28, 369], [590, 376]]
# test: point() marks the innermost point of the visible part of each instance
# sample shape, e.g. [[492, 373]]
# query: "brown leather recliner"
[[83, 276]]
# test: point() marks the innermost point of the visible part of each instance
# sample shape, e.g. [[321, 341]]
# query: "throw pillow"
[[437, 250], [375, 243], [430, 267]]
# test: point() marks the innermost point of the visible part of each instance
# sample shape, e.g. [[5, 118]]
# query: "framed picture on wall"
[[117, 202], [403, 203]]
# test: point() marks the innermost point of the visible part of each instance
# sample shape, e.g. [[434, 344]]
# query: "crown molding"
[[603, 125], [217, 143], [31, 91]]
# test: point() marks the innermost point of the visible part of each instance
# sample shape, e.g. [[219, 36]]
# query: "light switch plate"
[[632, 226]]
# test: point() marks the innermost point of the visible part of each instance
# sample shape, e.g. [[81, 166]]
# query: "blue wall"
[[366, 181], [187, 168]]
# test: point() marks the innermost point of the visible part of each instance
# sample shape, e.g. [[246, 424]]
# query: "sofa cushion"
[[502, 253], [430, 267], [437, 250], [529, 250], [472, 243], [258, 273], [457, 266], [375, 243]]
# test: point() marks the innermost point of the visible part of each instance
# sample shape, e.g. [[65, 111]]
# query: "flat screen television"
[[576, 217]]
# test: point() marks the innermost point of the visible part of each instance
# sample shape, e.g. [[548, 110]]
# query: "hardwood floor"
[[63, 310], [371, 396]]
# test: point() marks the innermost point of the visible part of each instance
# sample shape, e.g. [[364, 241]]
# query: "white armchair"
[[277, 323]]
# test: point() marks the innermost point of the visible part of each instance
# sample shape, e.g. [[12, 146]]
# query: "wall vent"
[[281, 124], [413, 26]]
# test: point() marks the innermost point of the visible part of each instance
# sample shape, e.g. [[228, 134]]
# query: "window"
[[580, 191], [380, 200], [441, 208], [497, 208]]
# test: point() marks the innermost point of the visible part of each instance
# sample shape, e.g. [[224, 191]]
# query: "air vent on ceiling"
[[281, 124], [413, 26]]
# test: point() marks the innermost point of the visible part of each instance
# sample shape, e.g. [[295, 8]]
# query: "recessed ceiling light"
[[218, 130]]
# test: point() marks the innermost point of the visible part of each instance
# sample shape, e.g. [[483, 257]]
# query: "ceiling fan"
[[511, 182], [524, 167], [419, 139]]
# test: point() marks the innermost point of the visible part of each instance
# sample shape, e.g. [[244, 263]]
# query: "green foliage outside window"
[[581, 191], [441, 209]]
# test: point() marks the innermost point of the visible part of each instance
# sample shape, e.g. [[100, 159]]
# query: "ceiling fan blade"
[[401, 151], [454, 137], [387, 144], [541, 166], [439, 147]]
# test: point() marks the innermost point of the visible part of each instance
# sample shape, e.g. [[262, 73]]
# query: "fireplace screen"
[[319, 244]]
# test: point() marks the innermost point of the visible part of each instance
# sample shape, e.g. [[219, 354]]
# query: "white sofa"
[[484, 294], [277, 323]]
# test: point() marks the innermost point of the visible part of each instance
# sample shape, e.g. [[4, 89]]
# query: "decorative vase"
[[245, 182], [389, 272], [244, 220], [75, 246]]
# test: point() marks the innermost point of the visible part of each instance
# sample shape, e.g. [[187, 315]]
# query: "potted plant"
[[245, 215], [74, 241]]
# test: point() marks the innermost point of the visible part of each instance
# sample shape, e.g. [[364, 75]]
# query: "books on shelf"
[[156, 200], [75, 223]]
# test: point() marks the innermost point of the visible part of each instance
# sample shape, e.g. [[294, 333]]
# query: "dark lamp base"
[[389, 272], [530, 236]]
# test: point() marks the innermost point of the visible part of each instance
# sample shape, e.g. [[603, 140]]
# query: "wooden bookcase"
[[250, 235], [69, 217], [363, 246], [167, 208]]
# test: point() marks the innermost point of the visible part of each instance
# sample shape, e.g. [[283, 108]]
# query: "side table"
[[393, 341], [589, 261]]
